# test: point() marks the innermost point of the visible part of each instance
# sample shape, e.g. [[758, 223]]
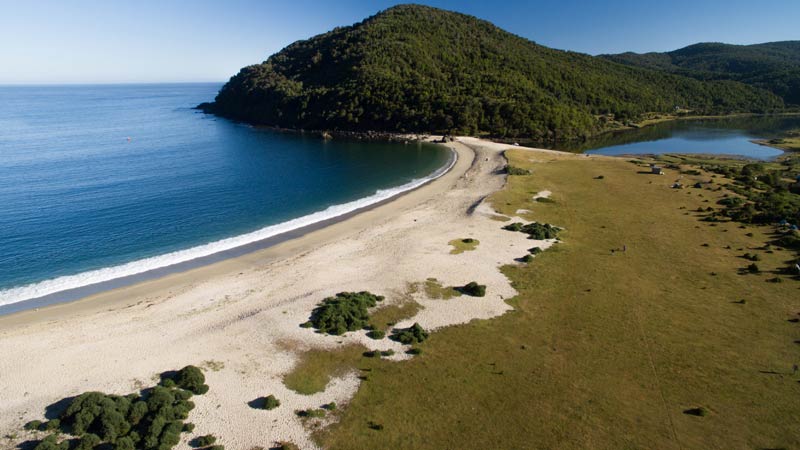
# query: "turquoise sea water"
[[98, 182]]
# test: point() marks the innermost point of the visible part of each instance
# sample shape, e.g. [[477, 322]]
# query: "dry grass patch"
[[316, 368], [463, 245]]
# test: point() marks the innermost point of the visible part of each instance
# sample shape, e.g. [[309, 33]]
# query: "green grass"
[[385, 317], [317, 367], [605, 351], [463, 245], [434, 290]]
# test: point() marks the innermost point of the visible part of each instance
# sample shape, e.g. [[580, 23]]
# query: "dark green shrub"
[[270, 402], [412, 335], [286, 446], [700, 412], [535, 250], [168, 383], [311, 413], [371, 354], [376, 334], [527, 258], [389, 352], [753, 268], [776, 280], [192, 379], [51, 443], [468, 240], [347, 311], [600, 177], [216, 447], [188, 427], [329, 406], [512, 170], [414, 351], [545, 200], [535, 230], [375, 426], [33, 425], [51, 425], [125, 443], [205, 441], [474, 289], [88, 442]]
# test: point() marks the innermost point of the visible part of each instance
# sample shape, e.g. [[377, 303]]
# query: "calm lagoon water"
[[716, 136], [98, 182]]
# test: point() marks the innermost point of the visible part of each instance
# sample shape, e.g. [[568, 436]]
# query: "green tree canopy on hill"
[[416, 68]]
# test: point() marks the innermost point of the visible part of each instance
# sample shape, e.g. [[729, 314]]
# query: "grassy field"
[[605, 350], [790, 141]]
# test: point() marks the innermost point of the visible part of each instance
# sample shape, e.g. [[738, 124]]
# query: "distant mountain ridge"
[[774, 66], [415, 68]]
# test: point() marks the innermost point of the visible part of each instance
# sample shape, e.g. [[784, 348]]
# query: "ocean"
[[108, 181]]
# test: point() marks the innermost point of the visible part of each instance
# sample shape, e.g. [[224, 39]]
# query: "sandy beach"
[[239, 318]]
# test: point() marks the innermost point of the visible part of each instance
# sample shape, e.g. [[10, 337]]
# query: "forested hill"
[[774, 66], [416, 68]]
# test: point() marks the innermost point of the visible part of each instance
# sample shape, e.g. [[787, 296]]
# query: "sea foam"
[[68, 282]]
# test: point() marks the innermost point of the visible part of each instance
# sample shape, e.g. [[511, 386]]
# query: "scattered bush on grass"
[[414, 334], [512, 170], [534, 230]]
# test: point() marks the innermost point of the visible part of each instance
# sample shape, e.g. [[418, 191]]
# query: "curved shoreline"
[[101, 294]]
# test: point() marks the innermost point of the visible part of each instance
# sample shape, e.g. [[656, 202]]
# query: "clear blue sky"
[[56, 41]]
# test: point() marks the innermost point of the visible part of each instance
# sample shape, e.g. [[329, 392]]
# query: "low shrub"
[[371, 354], [389, 352], [347, 311], [51, 443], [414, 351], [270, 402], [700, 412], [311, 413], [152, 419], [512, 170], [33, 425], [204, 441], [192, 379], [286, 446], [414, 334], [376, 334], [474, 289], [527, 258], [535, 230], [545, 200], [753, 268], [329, 406], [535, 250]]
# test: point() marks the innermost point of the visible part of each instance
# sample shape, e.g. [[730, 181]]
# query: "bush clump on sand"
[[347, 311], [513, 170], [153, 419], [535, 230], [192, 379], [474, 289], [311, 413], [411, 335], [376, 334], [204, 441], [527, 258], [270, 402], [414, 351], [33, 425]]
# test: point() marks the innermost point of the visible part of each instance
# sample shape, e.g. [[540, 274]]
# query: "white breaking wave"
[[52, 286]]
